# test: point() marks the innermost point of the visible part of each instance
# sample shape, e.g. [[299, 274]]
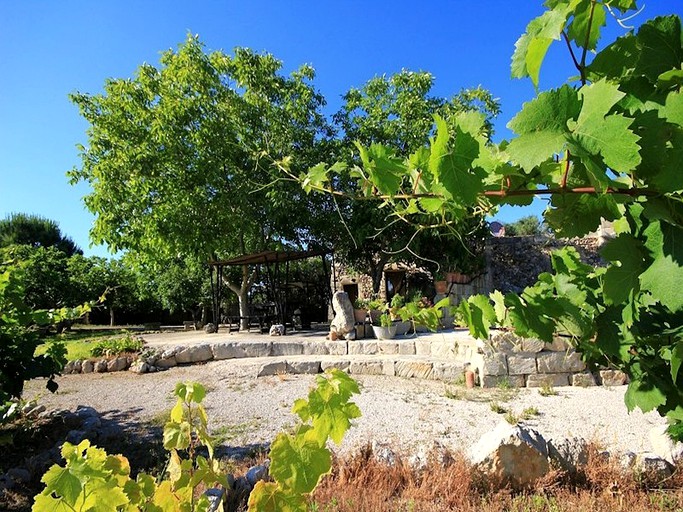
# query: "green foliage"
[[116, 346], [35, 231], [300, 460], [93, 480], [608, 147], [526, 226]]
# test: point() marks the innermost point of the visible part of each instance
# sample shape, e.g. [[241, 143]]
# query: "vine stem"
[[582, 70], [566, 170], [571, 51]]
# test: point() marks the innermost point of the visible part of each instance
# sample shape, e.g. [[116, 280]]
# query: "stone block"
[[88, 366], [286, 348], [423, 348], [231, 350], [389, 368], [101, 366], [613, 378], [315, 348], [532, 345], [410, 369], [504, 341], [366, 368], [337, 348], [539, 380], [560, 362], [447, 371], [444, 349], [272, 368], [583, 380], [492, 381], [406, 348], [340, 365], [168, 362], [256, 348], [559, 344], [387, 347], [494, 364], [117, 365], [303, 367], [521, 363], [363, 347], [194, 354]]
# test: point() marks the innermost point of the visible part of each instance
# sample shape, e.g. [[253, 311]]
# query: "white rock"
[[569, 454], [515, 455], [664, 446], [194, 354], [652, 468]]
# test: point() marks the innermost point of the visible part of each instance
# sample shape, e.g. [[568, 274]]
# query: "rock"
[[277, 330], [569, 454], [6, 482], [88, 366], [194, 354], [76, 436], [532, 345], [117, 365], [363, 347], [651, 468], [409, 369], [84, 411], [494, 364], [515, 455], [383, 453], [313, 348], [68, 367], [540, 380], [101, 366], [406, 348], [447, 371], [612, 378], [664, 446], [344, 323], [167, 361], [387, 347], [257, 473], [560, 362], [366, 368], [91, 424], [256, 348], [274, 368], [227, 351], [425, 454], [303, 367], [78, 366], [19, 475], [559, 344], [216, 498], [521, 364], [139, 367], [242, 486], [340, 365], [627, 460], [210, 328], [286, 348], [583, 380]]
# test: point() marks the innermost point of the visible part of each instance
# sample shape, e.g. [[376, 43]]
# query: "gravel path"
[[407, 413]]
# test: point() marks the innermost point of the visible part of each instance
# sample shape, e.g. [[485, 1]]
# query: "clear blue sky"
[[51, 48]]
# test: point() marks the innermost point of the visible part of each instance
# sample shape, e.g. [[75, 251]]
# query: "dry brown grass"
[[361, 483]]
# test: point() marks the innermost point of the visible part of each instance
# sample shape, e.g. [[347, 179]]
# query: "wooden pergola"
[[273, 262]]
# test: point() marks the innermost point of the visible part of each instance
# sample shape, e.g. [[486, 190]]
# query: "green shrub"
[[116, 346]]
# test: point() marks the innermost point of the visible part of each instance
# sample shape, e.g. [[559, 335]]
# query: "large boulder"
[[343, 325], [569, 454], [664, 446], [514, 455]]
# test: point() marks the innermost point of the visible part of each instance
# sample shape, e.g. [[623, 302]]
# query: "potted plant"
[[360, 310], [386, 329], [375, 307], [399, 314], [440, 283]]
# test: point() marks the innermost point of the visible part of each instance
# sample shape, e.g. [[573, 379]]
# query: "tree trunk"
[[377, 272], [242, 293], [112, 321]]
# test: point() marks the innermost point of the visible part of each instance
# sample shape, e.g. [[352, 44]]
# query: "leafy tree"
[[178, 156], [398, 113], [608, 148], [526, 226], [36, 231]]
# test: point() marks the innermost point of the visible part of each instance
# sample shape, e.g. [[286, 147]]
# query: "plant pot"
[[402, 328], [359, 315], [384, 333], [458, 278], [441, 287], [374, 315]]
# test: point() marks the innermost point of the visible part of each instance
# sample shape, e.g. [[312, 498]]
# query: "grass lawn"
[[79, 342]]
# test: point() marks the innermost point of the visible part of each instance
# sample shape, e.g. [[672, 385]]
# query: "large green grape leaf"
[[617, 61], [676, 359], [660, 42], [608, 135], [673, 111], [628, 262], [386, 170], [542, 126], [643, 395], [298, 463], [478, 314], [664, 278], [63, 482], [609, 338], [531, 48], [268, 497], [583, 22]]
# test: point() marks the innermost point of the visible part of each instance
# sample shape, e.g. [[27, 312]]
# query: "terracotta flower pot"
[[359, 315], [441, 287]]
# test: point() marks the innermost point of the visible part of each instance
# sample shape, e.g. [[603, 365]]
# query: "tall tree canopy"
[[36, 231], [396, 112], [178, 156]]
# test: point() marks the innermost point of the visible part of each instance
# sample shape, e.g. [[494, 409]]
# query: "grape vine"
[[608, 146]]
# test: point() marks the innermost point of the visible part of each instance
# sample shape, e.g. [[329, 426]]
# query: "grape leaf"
[[579, 26], [578, 215], [676, 360], [673, 111], [615, 62], [660, 43], [499, 306], [62, 482], [608, 135], [542, 126], [297, 463], [268, 497], [531, 48], [643, 395], [664, 278], [622, 277], [177, 435]]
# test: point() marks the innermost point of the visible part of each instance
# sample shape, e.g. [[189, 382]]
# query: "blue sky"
[[51, 48]]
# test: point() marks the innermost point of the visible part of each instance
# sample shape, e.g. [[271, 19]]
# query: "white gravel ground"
[[406, 413]]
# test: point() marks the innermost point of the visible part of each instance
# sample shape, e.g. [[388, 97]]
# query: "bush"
[[116, 346]]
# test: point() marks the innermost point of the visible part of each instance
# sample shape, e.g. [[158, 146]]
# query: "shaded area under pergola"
[[273, 262]]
